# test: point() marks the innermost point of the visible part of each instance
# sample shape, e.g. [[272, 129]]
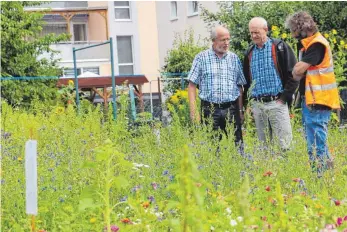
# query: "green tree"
[[21, 46], [180, 58], [330, 17]]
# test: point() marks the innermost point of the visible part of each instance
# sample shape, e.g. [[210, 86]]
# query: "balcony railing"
[[95, 53]]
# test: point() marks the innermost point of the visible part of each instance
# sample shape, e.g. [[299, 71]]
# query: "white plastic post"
[[31, 176]]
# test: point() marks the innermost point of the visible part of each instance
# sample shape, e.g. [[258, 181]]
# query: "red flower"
[[126, 221], [268, 173], [267, 188], [337, 202]]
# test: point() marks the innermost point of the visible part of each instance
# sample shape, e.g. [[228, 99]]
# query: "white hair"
[[261, 20]]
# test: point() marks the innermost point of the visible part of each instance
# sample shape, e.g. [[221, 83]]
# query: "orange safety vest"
[[320, 85]]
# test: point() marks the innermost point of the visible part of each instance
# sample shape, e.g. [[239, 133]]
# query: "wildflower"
[[198, 185], [113, 228], [326, 35], [228, 210], [239, 218], [166, 172], [92, 220], [19, 158], [264, 218], [274, 28], [342, 42], [151, 199], [345, 46], [337, 202], [268, 173], [70, 82], [212, 228], [339, 221], [284, 35], [233, 222], [154, 185], [126, 220], [334, 32], [334, 41], [59, 110], [296, 179], [267, 188], [145, 204]]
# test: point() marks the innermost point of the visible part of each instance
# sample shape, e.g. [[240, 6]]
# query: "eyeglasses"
[[224, 40]]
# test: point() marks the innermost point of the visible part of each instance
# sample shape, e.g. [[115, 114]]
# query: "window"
[[79, 32], [125, 55], [121, 10], [92, 70], [173, 10], [193, 8], [69, 72], [56, 29]]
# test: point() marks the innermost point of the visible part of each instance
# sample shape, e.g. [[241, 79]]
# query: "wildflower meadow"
[[96, 174]]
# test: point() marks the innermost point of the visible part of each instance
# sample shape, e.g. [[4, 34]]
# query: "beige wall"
[[97, 3], [96, 27], [105, 70], [148, 36], [96, 23]]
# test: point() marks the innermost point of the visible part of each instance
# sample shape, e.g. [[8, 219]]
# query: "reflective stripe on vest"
[[320, 71], [321, 87]]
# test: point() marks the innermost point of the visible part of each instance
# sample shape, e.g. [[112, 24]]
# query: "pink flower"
[[339, 221], [337, 202], [114, 228], [154, 185]]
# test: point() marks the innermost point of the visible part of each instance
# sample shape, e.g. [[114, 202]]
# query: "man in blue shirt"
[[218, 72], [268, 69]]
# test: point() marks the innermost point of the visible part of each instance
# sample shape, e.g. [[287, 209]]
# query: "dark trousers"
[[221, 115]]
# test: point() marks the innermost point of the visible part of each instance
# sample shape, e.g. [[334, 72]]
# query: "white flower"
[[212, 228], [239, 218], [228, 210], [233, 222], [146, 166]]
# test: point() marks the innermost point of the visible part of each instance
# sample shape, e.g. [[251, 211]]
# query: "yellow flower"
[[274, 28], [59, 110], [284, 35], [70, 82], [92, 220], [345, 46], [334, 32], [19, 158], [334, 41], [326, 35], [342, 42], [174, 99]]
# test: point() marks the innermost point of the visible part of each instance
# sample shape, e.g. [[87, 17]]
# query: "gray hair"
[[261, 20], [301, 22], [214, 31]]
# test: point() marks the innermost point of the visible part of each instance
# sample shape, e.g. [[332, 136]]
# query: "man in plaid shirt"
[[219, 74], [268, 66]]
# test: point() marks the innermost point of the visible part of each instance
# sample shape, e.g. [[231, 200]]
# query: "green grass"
[[87, 179]]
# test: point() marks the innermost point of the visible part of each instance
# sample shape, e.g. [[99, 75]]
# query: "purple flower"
[[151, 199], [125, 198], [166, 172]]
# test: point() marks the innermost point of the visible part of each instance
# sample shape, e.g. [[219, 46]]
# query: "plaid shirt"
[[218, 78], [264, 74]]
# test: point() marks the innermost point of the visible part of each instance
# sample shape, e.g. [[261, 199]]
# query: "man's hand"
[[280, 101], [194, 116], [299, 70]]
